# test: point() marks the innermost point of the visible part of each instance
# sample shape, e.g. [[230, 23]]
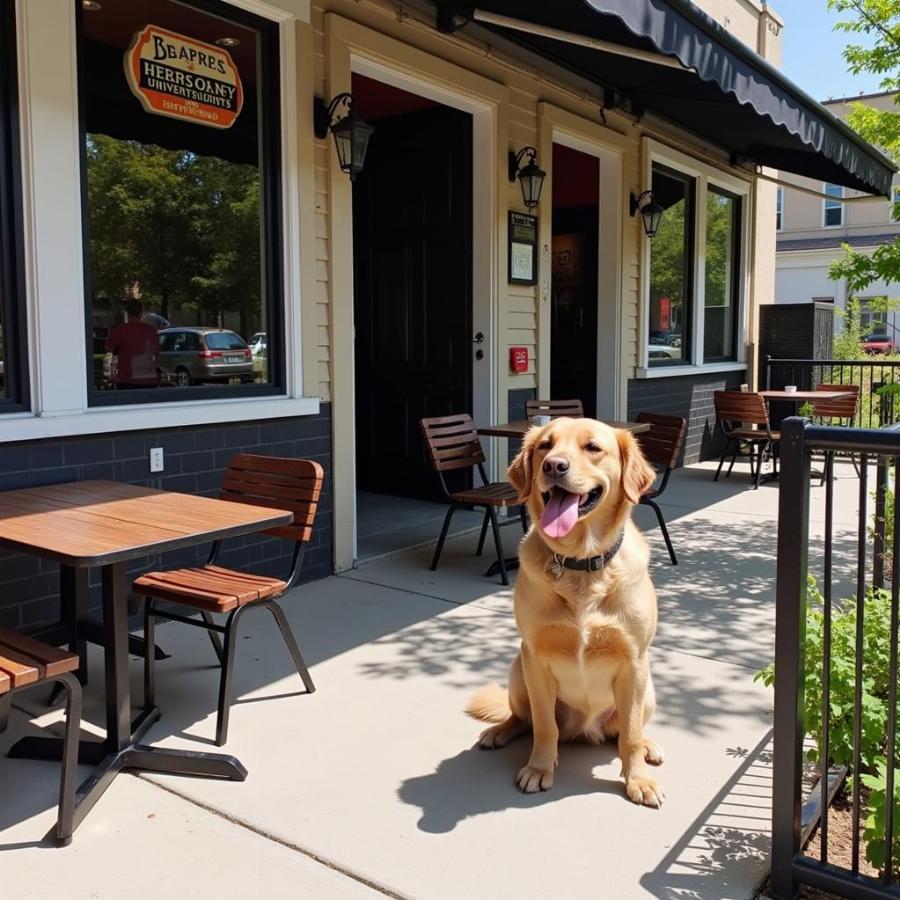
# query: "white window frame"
[[704, 176], [837, 200], [54, 265], [779, 209]]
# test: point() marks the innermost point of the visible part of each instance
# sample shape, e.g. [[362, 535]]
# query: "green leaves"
[[879, 21]]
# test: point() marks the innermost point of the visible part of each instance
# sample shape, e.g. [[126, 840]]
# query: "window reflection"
[[670, 269], [722, 268], [175, 197]]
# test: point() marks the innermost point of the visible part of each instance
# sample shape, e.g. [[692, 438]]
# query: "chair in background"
[[744, 420], [288, 484], [661, 446], [843, 410], [24, 663], [452, 443], [556, 409]]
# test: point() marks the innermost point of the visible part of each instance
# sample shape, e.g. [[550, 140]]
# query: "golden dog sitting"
[[584, 604]]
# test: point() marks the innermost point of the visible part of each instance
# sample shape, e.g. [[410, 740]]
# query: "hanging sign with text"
[[176, 76]]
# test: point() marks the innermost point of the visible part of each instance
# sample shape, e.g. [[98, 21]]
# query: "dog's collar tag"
[[556, 566]]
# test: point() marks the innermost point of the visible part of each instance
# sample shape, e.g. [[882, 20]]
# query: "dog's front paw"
[[645, 791], [532, 779]]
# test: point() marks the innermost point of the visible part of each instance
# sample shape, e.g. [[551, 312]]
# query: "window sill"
[[102, 420], [674, 371]]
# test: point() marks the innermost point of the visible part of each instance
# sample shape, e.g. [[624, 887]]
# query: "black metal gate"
[[800, 441]]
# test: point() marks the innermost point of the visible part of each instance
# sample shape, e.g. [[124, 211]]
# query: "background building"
[[811, 230]]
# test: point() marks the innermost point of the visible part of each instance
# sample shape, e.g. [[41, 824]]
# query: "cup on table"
[[790, 388], [540, 420]]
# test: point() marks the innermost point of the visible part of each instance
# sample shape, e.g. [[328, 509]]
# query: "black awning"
[[726, 94]]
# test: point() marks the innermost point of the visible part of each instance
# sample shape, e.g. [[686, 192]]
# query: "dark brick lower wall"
[[690, 396], [195, 459]]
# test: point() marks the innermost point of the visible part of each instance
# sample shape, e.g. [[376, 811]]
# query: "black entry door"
[[573, 333], [413, 293]]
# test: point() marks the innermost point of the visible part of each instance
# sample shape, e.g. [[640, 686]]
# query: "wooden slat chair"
[[843, 410], [744, 419], [661, 446], [24, 663], [452, 443], [554, 408], [289, 484]]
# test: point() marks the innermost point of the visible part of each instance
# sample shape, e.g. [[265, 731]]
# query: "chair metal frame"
[[468, 438], [765, 442], [666, 457], [228, 631], [68, 781]]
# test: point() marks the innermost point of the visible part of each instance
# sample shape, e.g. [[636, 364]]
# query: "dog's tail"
[[489, 704]]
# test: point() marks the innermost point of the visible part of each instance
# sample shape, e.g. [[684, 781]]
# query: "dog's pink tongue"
[[560, 514]]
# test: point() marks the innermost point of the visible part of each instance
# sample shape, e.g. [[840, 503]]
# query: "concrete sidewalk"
[[372, 784]]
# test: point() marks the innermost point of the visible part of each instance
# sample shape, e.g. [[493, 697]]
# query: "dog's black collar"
[[591, 563]]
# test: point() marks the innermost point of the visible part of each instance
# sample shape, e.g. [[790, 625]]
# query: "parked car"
[[203, 356], [878, 343]]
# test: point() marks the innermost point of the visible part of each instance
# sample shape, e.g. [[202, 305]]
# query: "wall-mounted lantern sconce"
[[651, 211], [531, 176], [351, 134]]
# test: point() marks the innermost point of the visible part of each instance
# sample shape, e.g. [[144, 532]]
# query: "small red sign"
[[518, 360]]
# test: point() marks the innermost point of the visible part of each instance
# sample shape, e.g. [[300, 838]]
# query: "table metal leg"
[[115, 632], [74, 594]]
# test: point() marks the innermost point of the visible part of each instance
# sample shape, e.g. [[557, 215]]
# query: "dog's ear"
[[519, 471], [637, 474]]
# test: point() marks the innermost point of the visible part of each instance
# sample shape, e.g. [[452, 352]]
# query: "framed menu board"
[[522, 232]]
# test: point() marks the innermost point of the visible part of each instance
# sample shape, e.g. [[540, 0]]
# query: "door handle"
[[479, 338]]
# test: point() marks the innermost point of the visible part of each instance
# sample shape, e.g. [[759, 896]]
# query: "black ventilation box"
[[794, 331]]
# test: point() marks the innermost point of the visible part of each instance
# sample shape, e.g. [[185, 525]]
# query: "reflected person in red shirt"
[[136, 346]]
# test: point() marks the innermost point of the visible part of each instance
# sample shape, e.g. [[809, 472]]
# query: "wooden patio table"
[[804, 396], [516, 430], [104, 524]]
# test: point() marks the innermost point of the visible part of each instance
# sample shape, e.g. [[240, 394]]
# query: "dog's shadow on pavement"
[[476, 781]]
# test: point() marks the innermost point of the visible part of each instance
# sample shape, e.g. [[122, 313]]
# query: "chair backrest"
[[554, 408], [845, 408], [278, 483], [662, 443], [452, 442], [747, 407]]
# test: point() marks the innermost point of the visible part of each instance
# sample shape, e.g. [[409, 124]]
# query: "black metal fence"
[[879, 402], [871, 551]]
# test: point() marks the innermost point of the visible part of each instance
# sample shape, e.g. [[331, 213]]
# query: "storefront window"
[[722, 272], [181, 199], [671, 269], [12, 343]]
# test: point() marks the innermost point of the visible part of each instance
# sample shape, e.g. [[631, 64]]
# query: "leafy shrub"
[[876, 656], [873, 833]]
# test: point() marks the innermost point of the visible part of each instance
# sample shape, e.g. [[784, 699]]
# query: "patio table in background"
[[104, 524], [515, 431]]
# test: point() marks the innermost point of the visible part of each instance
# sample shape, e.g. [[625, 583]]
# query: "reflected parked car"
[[203, 356], [258, 349], [664, 351], [878, 343]]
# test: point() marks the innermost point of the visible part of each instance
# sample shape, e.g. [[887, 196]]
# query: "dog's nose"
[[555, 466]]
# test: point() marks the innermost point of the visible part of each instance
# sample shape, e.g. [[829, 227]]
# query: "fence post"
[[790, 638], [881, 486], [767, 368]]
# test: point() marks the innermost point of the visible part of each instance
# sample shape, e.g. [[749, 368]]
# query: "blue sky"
[[811, 51]]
